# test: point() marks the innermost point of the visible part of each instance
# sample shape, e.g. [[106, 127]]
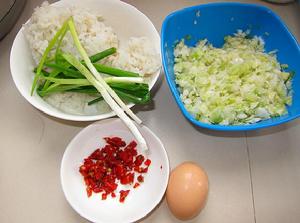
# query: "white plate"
[[126, 21], [139, 202]]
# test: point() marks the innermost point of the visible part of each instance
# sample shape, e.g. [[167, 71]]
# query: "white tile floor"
[[254, 176]]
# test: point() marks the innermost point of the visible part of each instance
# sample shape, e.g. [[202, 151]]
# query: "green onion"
[[95, 58], [125, 96], [95, 100], [49, 47], [98, 85], [64, 69], [53, 73], [138, 80], [132, 98], [97, 75], [114, 71], [82, 82], [57, 88], [107, 93], [64, 31], [108, 80]]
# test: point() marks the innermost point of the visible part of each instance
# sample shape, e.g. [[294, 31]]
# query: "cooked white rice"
[[76, 103], [94, 35], [138, 55]]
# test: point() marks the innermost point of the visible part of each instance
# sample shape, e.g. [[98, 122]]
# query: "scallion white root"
[[138, 80]]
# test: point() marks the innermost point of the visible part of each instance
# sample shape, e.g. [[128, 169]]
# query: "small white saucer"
[[140, 201]]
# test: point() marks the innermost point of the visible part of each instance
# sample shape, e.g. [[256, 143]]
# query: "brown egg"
[[187, 190]]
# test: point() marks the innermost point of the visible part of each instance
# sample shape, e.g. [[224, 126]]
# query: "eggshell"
[[187, 190]]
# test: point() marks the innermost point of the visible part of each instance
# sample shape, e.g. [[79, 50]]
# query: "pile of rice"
[[137, 55]]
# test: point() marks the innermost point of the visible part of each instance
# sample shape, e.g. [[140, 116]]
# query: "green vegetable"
[[114, 71], [81, 82], [106, 92], [95, 58], [99, 67], [233, 85], [63, 73], [64, 69], [64, 31], [96, 75], [130, 97], [53, 73], [45, 54], [95, 100], [62, 66], [54, 88], [133, 88]]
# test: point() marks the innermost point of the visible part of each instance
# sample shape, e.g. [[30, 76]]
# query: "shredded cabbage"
[[233, 85]]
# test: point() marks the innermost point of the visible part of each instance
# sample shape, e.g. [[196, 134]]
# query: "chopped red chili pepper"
[[97, 189], [89, 191], [115, 141], [104, 196], [140, 178], [123, 195], [115, 163], [136, 185], [147, 162], [127, 179], [141, 169], [139, 160]]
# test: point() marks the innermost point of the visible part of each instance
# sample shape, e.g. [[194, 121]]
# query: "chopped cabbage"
[[233, 85]]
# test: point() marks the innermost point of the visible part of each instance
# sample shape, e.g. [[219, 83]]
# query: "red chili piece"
[[123, 195], [140, 178], [115, 141], [115, 163], [104, 196], [147, 162], [136, 185]]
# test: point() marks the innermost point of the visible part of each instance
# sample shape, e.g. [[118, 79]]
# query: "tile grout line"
[[250, 173]]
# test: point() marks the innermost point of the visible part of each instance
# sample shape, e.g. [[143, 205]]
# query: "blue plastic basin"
[[216, 20]]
